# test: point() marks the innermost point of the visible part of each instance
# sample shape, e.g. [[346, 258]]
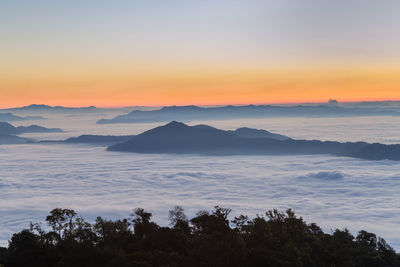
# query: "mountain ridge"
[[8, 129], [193, 113], [179, 138], [12, 117]]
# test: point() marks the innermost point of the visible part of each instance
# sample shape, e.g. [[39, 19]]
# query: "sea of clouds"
[[331, 191]]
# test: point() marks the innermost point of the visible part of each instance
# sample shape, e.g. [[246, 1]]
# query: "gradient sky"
[[164, 52]]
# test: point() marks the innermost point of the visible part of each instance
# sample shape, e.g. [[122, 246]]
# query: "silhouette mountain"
[[98, 139], [378, 151], [192, 113], [8, 129], [179, 138], [12, 139], [11, 117], [255, 133], [41, 107]]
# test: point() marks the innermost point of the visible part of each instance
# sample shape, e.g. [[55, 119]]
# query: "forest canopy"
[[209, 239]]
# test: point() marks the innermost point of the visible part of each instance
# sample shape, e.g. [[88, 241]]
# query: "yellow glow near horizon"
[[200, 87]]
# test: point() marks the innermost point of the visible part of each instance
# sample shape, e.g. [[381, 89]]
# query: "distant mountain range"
[[140, 114], [179, 138], [36, 107], [193, 113], [11, 117]]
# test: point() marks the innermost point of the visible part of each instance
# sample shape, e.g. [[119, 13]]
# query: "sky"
[[209, 52]]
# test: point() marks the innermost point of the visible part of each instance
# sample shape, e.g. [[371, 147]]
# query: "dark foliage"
[[208, 239]]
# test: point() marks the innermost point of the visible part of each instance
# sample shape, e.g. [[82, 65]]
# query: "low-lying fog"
[[331, 191]]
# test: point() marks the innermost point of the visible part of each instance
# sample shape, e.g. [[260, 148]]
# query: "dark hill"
[[179, 138], [255, 133], [379, 151], [12, 139], [8, 129], [169, 133]]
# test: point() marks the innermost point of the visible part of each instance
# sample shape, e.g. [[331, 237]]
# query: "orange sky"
[[124, 53], [200, 87]]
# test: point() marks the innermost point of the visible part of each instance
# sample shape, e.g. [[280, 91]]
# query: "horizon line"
[[209, 105]]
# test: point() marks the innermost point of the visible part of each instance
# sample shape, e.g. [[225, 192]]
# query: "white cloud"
[[324, 175]]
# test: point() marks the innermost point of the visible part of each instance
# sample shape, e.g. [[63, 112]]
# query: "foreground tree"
[[208, 239]]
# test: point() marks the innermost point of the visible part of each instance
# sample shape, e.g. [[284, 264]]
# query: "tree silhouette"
[[61, 221], [208, 239]]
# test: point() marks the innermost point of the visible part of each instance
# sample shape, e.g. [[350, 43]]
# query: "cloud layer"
[[334, 192]]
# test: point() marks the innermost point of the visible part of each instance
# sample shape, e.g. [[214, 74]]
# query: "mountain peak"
[[37, 106], [175, 124], [180, 108]]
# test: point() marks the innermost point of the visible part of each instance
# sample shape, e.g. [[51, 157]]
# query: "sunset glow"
[[156, 54], [202, 88]]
